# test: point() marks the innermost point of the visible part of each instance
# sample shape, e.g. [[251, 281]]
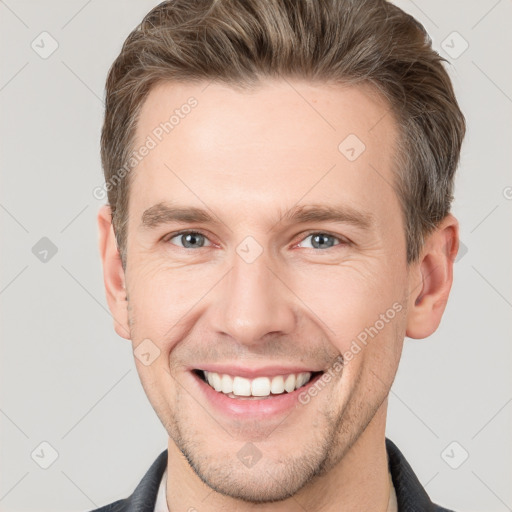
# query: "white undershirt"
[[392, 504], [161, 498]]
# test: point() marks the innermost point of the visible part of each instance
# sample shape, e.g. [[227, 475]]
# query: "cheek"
[[161, 294], [348, 298]]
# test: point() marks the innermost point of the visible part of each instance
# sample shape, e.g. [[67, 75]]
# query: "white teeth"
[[302, 378], [227, 384], [216, 382], [289, 383], [258, 387], [277, 386], [241, 386]]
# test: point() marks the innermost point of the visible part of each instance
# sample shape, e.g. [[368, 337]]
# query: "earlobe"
[[431, 280], [113, 273]]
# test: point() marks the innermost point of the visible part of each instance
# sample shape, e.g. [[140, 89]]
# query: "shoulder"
[[411, 495], [116, 506], [144, 496]]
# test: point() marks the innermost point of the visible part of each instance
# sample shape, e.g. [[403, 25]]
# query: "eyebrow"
[[163, 213]]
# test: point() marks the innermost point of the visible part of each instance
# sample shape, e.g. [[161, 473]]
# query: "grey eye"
[[321, 240], [189, 240]]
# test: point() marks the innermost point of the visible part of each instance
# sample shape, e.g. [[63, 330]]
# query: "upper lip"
[[253, 372]]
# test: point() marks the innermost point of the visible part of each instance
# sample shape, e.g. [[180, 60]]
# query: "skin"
[[250, 157]]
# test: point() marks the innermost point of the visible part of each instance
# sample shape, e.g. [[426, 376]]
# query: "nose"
[[253, 302]]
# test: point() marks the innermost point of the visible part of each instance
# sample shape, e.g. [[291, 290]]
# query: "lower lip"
[[262, 408]]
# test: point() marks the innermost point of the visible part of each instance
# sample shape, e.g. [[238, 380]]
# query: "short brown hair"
[[239, 42]]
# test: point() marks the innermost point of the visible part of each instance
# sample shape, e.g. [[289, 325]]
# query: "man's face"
[[257, 293]]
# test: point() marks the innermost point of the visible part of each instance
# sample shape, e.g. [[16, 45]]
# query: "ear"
[[431, 279], [113, 273]]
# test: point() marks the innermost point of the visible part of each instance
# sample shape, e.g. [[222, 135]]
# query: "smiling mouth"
[[258, 388]]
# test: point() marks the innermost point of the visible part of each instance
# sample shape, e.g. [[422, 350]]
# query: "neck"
[[359, 481]]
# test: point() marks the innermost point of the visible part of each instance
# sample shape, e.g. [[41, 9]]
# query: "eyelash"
[[343, 241]]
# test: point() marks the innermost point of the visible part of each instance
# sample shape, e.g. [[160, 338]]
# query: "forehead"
[[268, 112], [271, 145]]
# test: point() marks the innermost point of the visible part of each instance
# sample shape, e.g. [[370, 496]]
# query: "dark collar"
[[410, 494]]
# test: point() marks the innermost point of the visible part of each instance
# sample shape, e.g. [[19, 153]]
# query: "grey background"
[[69, 380]]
